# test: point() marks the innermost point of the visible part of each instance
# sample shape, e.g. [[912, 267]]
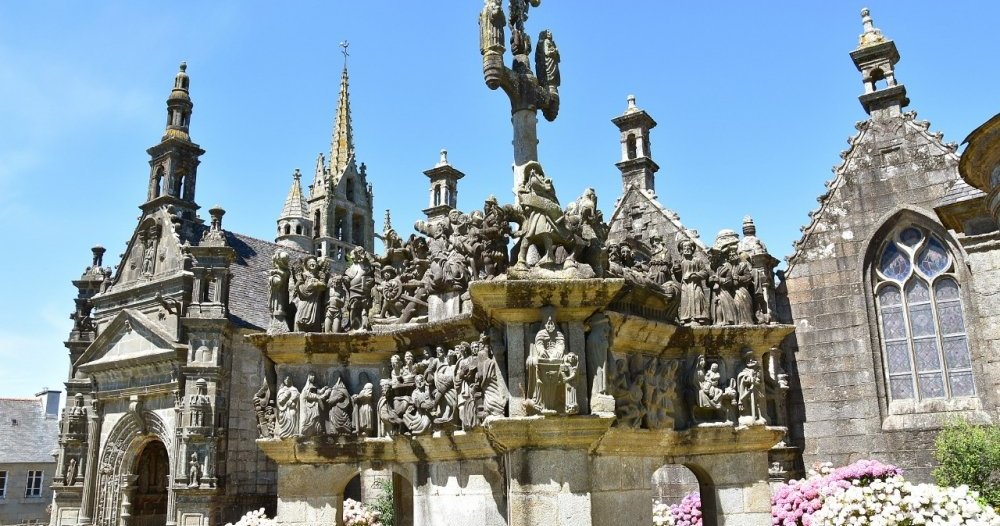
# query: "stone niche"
[[551, 403]]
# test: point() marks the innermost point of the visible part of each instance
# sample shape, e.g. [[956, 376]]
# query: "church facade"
[[214, 373]]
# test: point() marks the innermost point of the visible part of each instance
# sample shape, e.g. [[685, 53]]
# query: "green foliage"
[[384, 502], [969, 454]]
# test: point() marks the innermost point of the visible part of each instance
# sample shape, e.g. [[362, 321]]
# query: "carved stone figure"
[[542, 227], [660, 387], [277, 279], [309, 290], [310, 412], [396, 369], [445, 391], [340, 413], [359, 280], [469, 391], [364, 418], [495, 234], [735, 300], [409, 368], [417, 416], [661, 272], [334, 319], [750, 386], [491, 32], [546, 392], [491, 384], [567, 373], [264, 411], [711, 402], [287, 418], [693, 274], [628, 396], [70, 477], [547, 61], [194, 471], [199, 403], [390, 410]]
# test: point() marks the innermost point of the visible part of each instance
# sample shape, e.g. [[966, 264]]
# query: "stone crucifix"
[[528, 91]]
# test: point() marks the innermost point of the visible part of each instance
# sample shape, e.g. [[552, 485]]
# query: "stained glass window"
[[926, 349]]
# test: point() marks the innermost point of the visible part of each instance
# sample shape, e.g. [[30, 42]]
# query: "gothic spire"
[[342, 143], [295, 206]]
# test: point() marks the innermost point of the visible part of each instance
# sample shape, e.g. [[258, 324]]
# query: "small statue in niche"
[[359, 280], [287, 401], [417, 416], [310, 417], [264, 411], [194, 471], [693, 273], [710, 399], [340, 414], [364, 420], [71, 468], [199, 403], [546, 392], [750, 387], [149, 252], [308, 290], [567, 371]]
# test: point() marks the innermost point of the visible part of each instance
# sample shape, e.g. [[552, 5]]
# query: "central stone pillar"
[[550, 487]]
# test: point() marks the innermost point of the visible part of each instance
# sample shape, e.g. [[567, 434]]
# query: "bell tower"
[[875, 57], [174, 161], [637, 166]]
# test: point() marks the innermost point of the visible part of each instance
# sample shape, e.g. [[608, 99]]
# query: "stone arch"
[[403, 488], [118, 460], [871, 250]]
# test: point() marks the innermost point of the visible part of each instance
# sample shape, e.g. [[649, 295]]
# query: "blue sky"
[[754, 102]]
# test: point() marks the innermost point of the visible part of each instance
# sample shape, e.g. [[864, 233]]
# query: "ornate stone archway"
[[118, 462]]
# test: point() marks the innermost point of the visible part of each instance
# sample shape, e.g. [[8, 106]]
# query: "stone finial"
[[444, 159], [217, 212], [871, 35], [387, 222], [631, 103], [749, 229], [297, 174], [98, 252]]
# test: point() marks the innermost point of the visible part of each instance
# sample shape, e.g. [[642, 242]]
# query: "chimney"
[[50, 402]]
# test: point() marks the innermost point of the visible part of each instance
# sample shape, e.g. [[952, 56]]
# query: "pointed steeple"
[[875, 57], [174, 161], [318, 187], [342, 143], [294, 225]]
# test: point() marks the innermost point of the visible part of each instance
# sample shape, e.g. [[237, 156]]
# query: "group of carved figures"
[[444, 390], [723, 289], [742, 400]]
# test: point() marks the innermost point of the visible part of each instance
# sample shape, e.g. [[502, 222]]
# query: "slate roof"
[[33, 439], [959, 191], [248, 290]]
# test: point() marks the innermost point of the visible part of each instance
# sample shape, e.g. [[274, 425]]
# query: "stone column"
[[516, 354], [312, 495], [622, 487], [90, 479], [525, 141]]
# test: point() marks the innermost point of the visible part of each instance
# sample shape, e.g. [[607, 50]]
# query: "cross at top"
[[343, 47]]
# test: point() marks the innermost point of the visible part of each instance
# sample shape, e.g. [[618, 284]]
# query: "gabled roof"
[[33, 439], [669, 215], [840, 171], [248, 290]]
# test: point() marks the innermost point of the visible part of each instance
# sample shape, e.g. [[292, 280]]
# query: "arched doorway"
[[676, 492], [152, 472], [386, 491]]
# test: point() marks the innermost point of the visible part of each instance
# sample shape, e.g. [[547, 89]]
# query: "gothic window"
[[925, 346]]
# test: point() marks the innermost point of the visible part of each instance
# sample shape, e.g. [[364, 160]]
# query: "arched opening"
[[316, 224], [358, 231], [349, 189], [437, 195], [878, 80], [288, 229], [677, 493], [152, 470], [387, 492], [630, 146], [298, 229], [157, 188]]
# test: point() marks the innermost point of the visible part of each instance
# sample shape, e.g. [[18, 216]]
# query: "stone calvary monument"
[[540, 385]]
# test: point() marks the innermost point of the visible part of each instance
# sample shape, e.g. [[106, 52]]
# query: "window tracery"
[[924, 341]]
